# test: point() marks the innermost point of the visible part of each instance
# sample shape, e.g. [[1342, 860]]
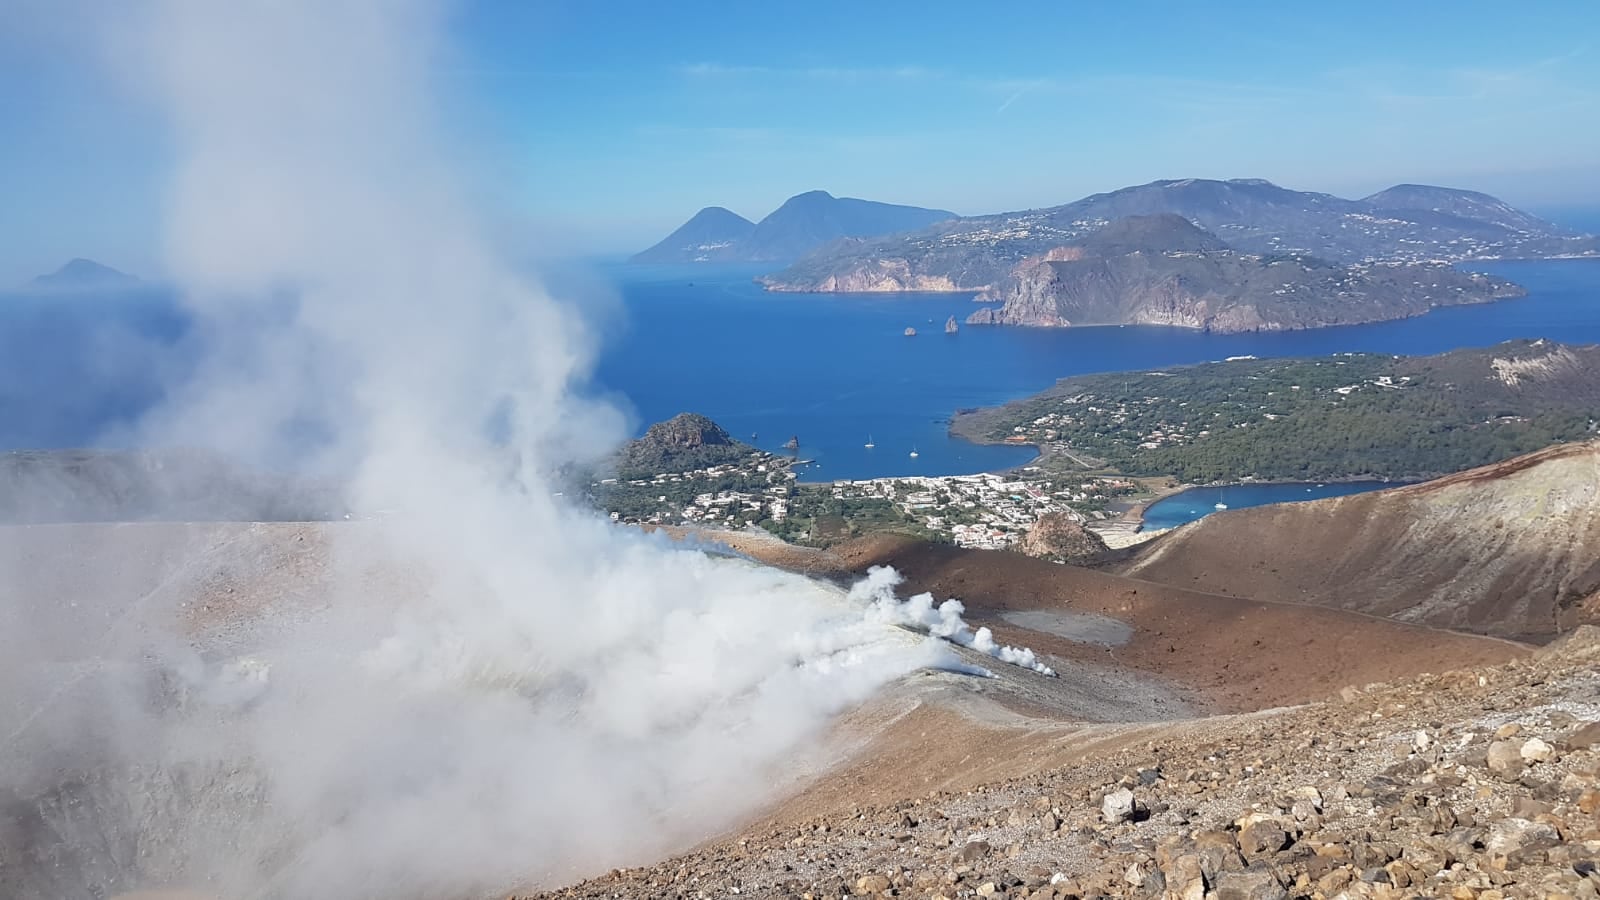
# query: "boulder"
[[1118, 806]]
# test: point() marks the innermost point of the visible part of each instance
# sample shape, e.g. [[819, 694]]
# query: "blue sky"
[[597, 127]]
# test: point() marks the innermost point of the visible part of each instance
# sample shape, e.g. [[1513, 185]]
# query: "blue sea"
[[836, 370], [1197, 503], [833, 370]]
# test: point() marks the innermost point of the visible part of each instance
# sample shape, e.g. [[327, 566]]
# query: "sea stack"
[[950, 326], [911, 332]]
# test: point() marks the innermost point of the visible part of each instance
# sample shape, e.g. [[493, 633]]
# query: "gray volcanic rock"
[[1408, 223], [1162, 270]]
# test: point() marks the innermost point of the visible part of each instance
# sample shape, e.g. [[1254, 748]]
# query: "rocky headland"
[[1162, 270]]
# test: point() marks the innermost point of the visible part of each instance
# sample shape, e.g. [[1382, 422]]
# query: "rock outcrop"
[[684, 442], [1060, 537]]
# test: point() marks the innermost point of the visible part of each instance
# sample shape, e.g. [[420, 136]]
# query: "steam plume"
[[486, 688]]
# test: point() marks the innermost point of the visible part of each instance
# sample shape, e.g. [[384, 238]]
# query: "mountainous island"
[[83, 275], [1345, 416], [1406, 223], [803, 223], [1163, 270], [1264, 257]]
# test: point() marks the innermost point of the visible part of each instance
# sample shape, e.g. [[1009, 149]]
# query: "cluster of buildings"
[[767, 483], [987, 510]]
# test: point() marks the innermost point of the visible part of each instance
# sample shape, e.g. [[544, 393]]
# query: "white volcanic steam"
[[487, 688], [942, 622]]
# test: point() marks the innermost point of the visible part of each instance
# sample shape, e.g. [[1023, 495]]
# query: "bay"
[[1198, 502], [836, 369]]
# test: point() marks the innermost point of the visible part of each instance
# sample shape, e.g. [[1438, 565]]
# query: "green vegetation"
[[1356, 415], [818, 518]]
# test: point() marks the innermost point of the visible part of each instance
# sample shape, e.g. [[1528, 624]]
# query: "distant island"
[[1349, 254], [1346, 416], [1163, 270], [802, 224], [83, 275]]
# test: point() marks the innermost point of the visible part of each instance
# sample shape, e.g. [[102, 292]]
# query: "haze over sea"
[[831, 369], [834, 369]]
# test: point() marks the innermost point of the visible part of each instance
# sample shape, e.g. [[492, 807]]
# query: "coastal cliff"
[[869, 277], [1163, 270]]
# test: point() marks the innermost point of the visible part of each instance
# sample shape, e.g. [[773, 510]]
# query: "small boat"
[[1221, 506], [870, 444], [914, 453]]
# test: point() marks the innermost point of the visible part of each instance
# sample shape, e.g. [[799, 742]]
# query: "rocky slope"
[[1162, 270], [1511, 549], [1478, 783], [803, 223], [1408, 223]]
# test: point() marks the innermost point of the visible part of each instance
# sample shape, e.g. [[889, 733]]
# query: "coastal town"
[[986, 510]]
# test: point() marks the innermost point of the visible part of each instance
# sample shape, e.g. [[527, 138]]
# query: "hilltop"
[[713, 234], [1407, 223], [682, 443], [1163, 270], [803, 223], [82, 275], [1344, 416]]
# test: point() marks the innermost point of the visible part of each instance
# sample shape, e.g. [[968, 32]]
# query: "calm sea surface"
[[834, 370], [1196, 503]]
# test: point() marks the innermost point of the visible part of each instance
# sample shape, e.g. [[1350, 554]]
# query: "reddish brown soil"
[[1238, 654], [1511, 550]]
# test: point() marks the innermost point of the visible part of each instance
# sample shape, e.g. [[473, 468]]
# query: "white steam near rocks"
[[943, 622], [488, 688]]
